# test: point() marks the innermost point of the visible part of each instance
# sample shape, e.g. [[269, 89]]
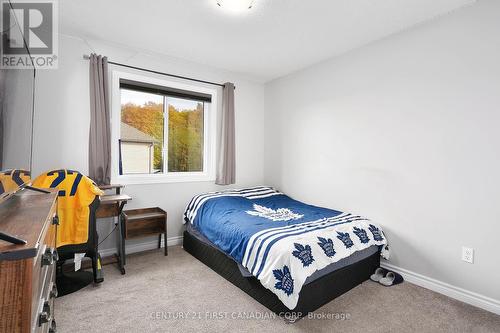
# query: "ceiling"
[[274, 38]]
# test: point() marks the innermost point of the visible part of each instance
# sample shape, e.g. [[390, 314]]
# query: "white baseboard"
[[469, 297], [150, 245]]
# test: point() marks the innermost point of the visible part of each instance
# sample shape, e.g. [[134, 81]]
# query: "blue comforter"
[[279, 240]]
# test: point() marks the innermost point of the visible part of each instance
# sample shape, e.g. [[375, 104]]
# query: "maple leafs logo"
[[280, 214], [303, 253], [327, 246], [284, 280], [345, 238], [361, 233], [377, 234]]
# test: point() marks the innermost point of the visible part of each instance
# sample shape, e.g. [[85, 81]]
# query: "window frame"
[[209, 131]]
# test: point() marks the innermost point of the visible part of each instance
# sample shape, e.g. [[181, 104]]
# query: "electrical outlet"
[[468, 254]]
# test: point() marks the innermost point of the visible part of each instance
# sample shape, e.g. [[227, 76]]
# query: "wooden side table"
[[145, 222]]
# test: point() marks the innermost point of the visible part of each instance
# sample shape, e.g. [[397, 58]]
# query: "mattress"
[[352, 259], [312, 296]]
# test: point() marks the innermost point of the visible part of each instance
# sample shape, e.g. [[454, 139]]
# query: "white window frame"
[[209, 129]]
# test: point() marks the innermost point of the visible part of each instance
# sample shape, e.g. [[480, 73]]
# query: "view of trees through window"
[[185, 135], [144, 125]]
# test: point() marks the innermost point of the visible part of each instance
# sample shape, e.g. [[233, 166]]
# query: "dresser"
[[27, 272]]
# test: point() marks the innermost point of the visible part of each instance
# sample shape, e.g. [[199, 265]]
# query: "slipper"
[[379, 274], [391, 279]]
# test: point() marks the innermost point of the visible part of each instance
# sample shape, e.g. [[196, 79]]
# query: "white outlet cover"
[[468, 254]]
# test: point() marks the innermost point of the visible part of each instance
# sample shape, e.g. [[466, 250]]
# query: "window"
[[185, 134], [141, 132], [164, 133]]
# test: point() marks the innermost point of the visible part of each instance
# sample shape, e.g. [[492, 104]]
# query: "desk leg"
[[120, 244], [166, 248], [165, 237], [123, 242]]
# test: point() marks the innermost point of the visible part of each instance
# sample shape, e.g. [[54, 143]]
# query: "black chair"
[[67, 252]]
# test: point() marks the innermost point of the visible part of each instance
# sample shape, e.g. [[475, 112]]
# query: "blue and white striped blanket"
[[279, 240]]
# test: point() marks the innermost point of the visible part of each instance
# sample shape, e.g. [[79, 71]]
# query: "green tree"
[[185, 139]]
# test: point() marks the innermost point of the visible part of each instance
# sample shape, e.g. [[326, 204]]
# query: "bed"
[[289, 256]]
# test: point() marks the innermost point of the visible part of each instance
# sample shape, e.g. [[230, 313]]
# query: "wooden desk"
[[112, 206], [116, 187]]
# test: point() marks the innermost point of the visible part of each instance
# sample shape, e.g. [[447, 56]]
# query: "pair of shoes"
[[386, 278]]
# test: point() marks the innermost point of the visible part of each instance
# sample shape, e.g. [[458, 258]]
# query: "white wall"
[[405, 131], [62, 124]]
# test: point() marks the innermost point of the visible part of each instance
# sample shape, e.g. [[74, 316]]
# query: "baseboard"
[[145, 246], [469, 297]]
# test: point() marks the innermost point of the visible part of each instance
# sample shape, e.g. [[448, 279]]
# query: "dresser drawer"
[[44, 321]]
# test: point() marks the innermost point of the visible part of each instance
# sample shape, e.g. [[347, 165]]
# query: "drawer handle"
[[53, 327], [49, 257], [46, 307], [55, 255], [44, 316], [53, 291]]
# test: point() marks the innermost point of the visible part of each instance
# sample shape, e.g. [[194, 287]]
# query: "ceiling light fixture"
[[235, 5]]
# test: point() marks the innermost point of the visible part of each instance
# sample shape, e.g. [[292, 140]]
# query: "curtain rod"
[[87, 57]]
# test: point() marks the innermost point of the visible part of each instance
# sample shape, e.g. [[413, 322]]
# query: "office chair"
[[77, 231]]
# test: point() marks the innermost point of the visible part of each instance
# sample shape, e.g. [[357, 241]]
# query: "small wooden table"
[[146, 222], [112, 206]]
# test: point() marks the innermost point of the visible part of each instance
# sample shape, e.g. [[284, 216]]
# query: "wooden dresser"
[[27, 272]]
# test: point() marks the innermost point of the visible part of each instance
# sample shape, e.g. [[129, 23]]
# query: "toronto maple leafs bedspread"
[[279, 240]]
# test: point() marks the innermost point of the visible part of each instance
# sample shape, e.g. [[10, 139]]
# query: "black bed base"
[[312, 296]]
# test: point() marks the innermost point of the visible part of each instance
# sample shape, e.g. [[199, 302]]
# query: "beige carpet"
[[180, 294]]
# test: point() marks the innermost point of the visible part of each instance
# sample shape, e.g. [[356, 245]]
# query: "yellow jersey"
[[10, 180], [76, 193]]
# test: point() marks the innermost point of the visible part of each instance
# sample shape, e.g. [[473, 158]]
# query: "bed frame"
[[312, 296]]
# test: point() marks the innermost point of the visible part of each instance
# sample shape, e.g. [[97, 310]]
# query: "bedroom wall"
[[405, 131], [62, 127]]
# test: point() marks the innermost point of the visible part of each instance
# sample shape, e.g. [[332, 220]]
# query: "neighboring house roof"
[[131, 134]]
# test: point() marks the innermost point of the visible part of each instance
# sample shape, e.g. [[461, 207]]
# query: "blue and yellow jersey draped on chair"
[[76, 193], [10, 180]]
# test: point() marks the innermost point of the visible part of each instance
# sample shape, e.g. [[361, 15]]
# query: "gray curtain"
[[100, 134], [2, 101], [226, 166]]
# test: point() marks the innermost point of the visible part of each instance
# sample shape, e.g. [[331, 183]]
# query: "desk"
[[116, 187], [112, 206]]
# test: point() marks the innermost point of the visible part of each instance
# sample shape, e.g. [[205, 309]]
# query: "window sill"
[[161, 179]]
